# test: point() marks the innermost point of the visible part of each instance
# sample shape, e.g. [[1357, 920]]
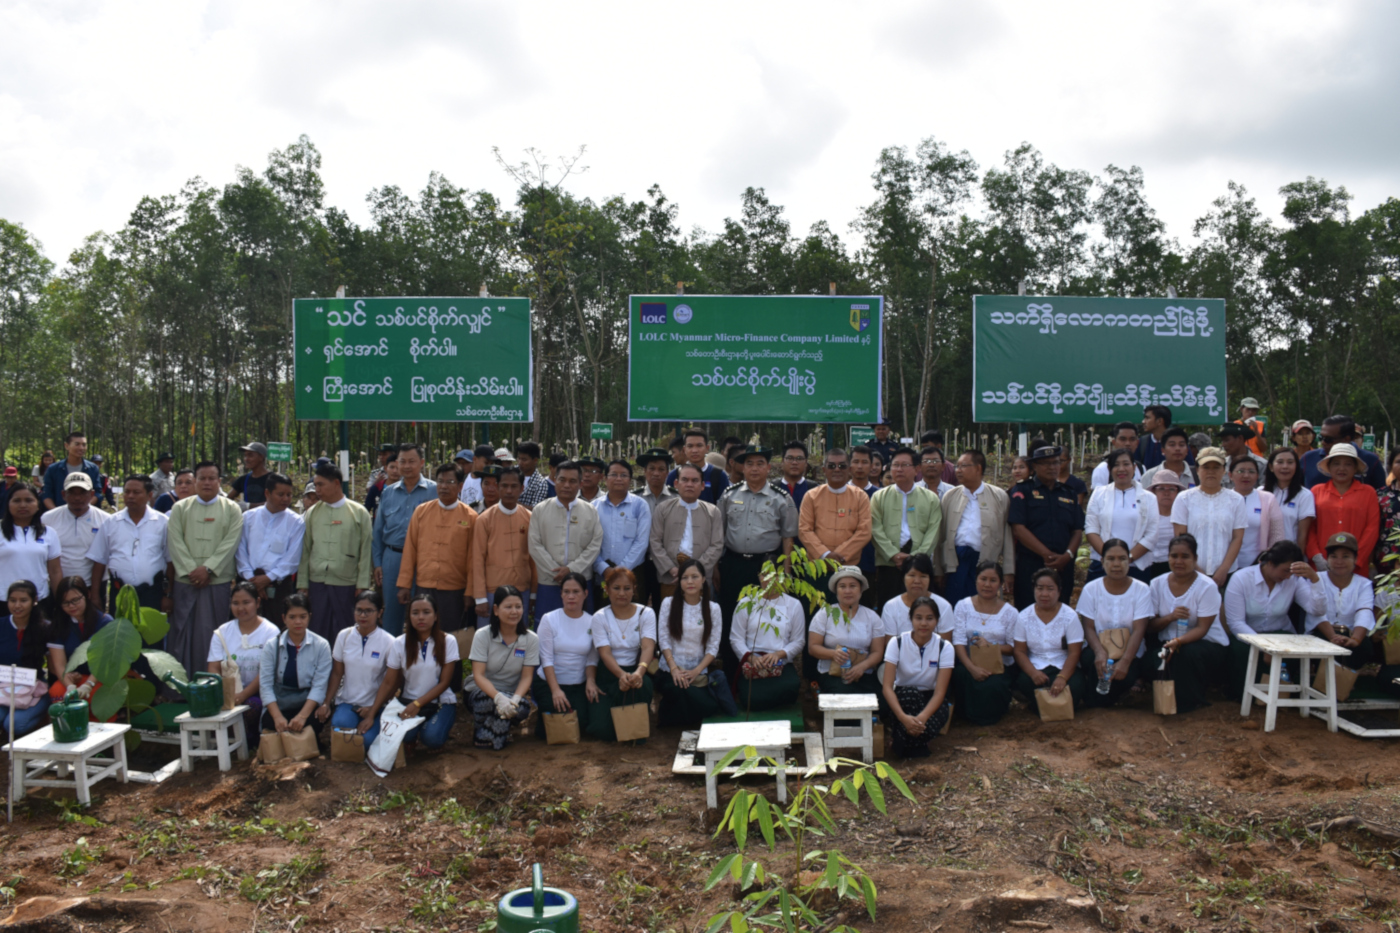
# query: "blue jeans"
[[27, 720], [394, 610], [345, 717], [435, 730]]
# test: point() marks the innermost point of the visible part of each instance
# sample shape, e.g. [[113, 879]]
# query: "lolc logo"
[[653, 312]]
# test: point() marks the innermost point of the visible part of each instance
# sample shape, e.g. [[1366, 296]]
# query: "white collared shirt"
[[918, 666], [624, 636], [1252, 606], [969, 532], [366, 659], [271, 542], [692, 647], [1353, 606], [76, 534], [1202, 601], [1046, 641], [133, 552]]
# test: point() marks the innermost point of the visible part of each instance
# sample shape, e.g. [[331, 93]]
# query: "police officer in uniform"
[[760, 521], [1047, 523], [654, 491], [883, 444]]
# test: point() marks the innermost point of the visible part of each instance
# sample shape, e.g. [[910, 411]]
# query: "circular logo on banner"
[[682, 314]]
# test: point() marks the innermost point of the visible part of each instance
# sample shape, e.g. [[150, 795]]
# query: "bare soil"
[[1119, 820]]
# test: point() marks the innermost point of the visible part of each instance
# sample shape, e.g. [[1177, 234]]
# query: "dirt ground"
[[1119, 820]]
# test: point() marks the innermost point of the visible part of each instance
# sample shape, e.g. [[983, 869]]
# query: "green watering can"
[[205, 692], [70, 717], [537, 908]]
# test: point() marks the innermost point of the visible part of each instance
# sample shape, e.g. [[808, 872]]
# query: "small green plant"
[[283, 883], [298, 832], [784, 905], [7, 888], [75, 861], [436, 901], [71, 811], [166, 838], [400, 798]]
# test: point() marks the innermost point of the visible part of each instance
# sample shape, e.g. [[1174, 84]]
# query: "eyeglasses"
[[74, 601], [838, 466], [626, 476], [794, 459], [365, 610]]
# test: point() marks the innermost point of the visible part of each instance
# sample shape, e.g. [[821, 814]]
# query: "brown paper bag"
[[301, 746], [879, 740], [632, 721], [947, 723], [1055, 709], [348, 745], [986, 656], [1164, 697], [270, 748], [561, 728], [1346, 679], [1115, 642], [230, 691]]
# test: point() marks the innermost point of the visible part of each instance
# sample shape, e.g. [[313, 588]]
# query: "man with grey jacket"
[[970, 534]]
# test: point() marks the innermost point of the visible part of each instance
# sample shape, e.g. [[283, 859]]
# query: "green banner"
[[279, 451], [1097, 360], [413, 359], [600, 431], [778, 358]]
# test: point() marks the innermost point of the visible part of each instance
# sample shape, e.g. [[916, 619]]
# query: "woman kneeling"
[[624, 636], [847, 639], [504, 656], [767, 640], [918, 669], [688, 634], [1115, 610], [423, 659], [1048, 640]]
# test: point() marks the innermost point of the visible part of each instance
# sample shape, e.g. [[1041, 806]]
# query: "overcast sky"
[[102, 103]]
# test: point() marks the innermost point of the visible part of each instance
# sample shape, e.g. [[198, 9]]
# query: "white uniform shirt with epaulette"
[[757, 522]]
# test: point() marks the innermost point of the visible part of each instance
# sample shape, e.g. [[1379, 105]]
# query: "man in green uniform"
[[336, 554], [203, 536]]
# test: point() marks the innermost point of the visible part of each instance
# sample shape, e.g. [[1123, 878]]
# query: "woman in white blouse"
[[918, 669], [688, 634], [918, 574], [1114, 602], [422, 661], [1186, 610], [237, 645], [847, 639], [1262, 516], [1284, 478], [1350, 612], [983, 695], [1048, 640], [1257, 602], [28, 551], [565, 680], [767, 637], [1164, 486], [624, 637], [1121, 510], [1213, 515]]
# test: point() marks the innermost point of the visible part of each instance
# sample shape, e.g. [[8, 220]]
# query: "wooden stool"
[[78, 759], [859, 706], [214, 736], [1306, 648], [769, 739]]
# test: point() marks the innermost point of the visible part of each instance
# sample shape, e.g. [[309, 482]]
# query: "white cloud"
[[101, 104]]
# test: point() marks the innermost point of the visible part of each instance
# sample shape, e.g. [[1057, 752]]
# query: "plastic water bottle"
[[846, 664], [1107, 676]]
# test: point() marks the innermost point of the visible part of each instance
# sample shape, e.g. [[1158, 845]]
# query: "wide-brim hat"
[[716, 459], [654, 453], [1250, 401], [1165, 477], [504, 455], [1339, 450], [1302, 424], [845, 572], [491, 471], [753, 450], [388, 448], [1211, 455], [1042, 453]]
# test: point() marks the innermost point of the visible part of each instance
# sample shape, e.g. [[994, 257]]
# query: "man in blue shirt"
[[396, 507], [1337, 429], [76, 446], [626, 521], [697, 444], [794, 469]]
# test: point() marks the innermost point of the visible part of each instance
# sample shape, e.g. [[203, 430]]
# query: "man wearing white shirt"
[[270, 550], [132, 546], [974, 530], [565, 536], [76, 524], [1125, 437]]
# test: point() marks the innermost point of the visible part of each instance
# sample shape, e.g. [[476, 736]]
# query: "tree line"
[[174, 332]]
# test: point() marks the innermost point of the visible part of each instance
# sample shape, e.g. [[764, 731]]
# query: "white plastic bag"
[[392, 729]]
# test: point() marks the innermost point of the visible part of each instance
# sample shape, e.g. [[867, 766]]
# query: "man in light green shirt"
[[904, 520], [203, 536], [336, 554]]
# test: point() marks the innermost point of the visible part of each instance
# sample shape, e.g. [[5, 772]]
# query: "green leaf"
[[843, 884], [152, 625], [829, 878], [163, 663], [727, 760], [79, 656], [750, 873], [128, 605], [850, 789], [738, 924], [877, 795], [112, 649], [765, 822], [741, 826], [785, 911], [109, 698], [718, 874], [718, 920], [894, 778], [728, 819], [139, 693], [868, 887]]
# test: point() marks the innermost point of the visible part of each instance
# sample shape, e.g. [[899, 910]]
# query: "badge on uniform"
[[520, 652], [1035, 494], [463, 524], [374, 655], [336, 522], [211, 519]]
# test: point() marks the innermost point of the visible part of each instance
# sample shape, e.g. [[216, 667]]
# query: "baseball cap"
[[165, 456], [1300, 424], [255, 448], [466, 455], [11, 471], [504, 455], [310, 490], [78, 480], [1342, 539], [1198, 440], [97, 458]]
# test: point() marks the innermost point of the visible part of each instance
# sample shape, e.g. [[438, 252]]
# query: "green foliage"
[[164, 839], [807, 813], [7, 888], [77, 859], [110, 653], [284, 883]]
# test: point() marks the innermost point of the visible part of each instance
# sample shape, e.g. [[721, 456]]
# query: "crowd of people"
[[582, 585]]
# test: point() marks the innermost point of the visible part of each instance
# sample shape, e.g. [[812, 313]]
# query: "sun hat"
[[1250, 401], [716, 459], [1339, 450], [1165, 477], [851, 572], [1211, 455], [503, 455]]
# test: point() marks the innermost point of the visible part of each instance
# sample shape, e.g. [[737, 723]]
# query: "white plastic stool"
[[1306, 649], [216, 736], [858, 706], [37, 753]]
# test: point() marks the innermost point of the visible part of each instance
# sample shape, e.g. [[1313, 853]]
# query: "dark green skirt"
[[985, 702], [684, 706], [769, 692], [1117, 689], [574, 693], [600, 721]]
